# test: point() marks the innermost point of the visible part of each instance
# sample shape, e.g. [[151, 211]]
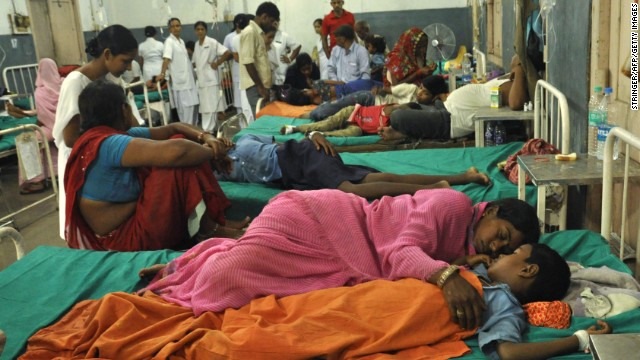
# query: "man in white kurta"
[[208, 55], [183, 85]]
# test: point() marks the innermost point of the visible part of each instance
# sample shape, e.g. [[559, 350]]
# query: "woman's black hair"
[[297, 97], [150, 31], [377, 42], [553, 277], [521, 215], [200, 22], [172, 19], [100, 103], [116, 38], [318, 20], [303, 59], [238, 20]]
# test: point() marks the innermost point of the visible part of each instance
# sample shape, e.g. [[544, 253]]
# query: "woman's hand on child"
[[465, 304], [473, 260]]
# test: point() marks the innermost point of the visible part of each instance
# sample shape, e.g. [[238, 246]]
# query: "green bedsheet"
[[38, 289], [8, 141], [249, 199], [270, 125], [153, 97]]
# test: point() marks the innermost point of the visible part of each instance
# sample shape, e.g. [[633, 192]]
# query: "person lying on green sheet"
[[313, 163], [352, 120], [452, 114]]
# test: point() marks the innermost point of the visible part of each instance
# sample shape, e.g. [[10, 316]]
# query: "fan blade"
[[444, 57]]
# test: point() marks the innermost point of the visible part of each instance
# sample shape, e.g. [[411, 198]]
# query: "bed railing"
[[21, 80], [606, 230], [551, 116]]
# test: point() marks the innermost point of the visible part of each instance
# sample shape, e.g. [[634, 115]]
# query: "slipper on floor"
[[33, 189]]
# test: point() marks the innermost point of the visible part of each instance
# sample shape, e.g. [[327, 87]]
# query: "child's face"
[[268, 38], [506, 267], [424, 96], [494, 236], [370, 48], [318, 28]]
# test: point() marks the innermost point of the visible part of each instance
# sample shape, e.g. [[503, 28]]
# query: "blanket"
[[408, 318], [281, 108]]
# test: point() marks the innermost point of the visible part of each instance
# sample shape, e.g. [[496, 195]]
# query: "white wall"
[[296, 15], [6, 8]]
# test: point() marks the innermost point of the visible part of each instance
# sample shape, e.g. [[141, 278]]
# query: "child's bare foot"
[[151, 271], [474, 176], [389, 133]]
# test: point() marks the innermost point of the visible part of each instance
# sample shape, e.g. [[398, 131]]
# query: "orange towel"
[[281, 108], [408, 318]]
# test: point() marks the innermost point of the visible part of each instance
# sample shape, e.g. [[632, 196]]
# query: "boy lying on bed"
[[314, 164], [352, 120]]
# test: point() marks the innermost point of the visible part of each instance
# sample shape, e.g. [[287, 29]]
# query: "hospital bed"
[[21, 80], [41, 287], [551, 123]]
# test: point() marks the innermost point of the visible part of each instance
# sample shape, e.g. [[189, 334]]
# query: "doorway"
[[57, 32]]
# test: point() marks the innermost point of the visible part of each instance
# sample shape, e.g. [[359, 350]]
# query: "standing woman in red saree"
[[407, 62], [133, 188]]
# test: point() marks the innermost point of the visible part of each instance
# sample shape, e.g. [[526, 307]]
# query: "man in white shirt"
[[183, 85], [255, 70], [349, 60]]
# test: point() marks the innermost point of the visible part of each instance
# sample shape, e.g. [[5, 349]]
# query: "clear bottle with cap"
[[500, 134], [606, 110], [489, 133], [595, 119]]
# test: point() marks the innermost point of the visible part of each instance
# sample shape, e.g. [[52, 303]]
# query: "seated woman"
[[48, 82], [327, 238], [452, 114], [302, 73], [406, 62], [132, 189]]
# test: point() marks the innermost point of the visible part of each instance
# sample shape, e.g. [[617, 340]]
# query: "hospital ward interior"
[[327, 179]]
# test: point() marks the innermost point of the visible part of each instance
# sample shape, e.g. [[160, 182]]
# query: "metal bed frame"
[[551, 123], [606, 229], [21, 80]]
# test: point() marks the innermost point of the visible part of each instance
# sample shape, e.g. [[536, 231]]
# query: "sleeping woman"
[[132, 189]]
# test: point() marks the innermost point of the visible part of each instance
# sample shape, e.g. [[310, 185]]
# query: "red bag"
[[531, 147]]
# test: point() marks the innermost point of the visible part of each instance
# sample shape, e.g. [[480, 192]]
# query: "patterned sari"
[[402, 60]]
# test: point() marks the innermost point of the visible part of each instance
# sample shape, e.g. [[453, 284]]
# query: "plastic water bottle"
[[594, 121], [488, 134], [466, 64], [500, 135], [609, 120]]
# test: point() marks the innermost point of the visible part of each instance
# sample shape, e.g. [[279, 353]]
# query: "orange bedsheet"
[[281, 108], [367, 321]]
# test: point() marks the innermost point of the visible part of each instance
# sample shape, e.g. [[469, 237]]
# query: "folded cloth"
[[552, 314]]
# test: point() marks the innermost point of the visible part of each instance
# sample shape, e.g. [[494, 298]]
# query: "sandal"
[[33, 188]]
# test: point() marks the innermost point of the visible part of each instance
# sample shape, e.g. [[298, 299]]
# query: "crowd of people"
[[129, 188]]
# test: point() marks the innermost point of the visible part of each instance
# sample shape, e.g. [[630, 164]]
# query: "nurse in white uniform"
[[112, 50], [208, 55], [150, 52], [239, 23], [183, 85]]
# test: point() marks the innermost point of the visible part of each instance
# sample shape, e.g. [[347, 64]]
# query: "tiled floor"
[[38, 225]]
